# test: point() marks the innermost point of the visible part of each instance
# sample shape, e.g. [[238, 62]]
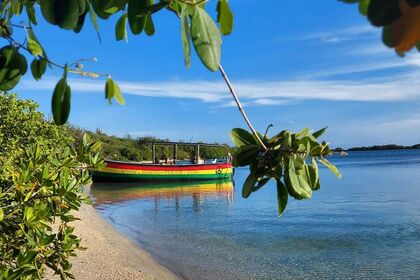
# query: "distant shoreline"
[[387, 147]]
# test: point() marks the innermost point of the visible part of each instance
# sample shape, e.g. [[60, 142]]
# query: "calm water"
[[364, 226]]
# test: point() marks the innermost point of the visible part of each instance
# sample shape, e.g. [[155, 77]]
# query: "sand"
[[110, 255]]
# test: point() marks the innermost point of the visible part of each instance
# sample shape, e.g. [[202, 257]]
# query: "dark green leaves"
[[12, 66], [113, 91], [286, 160], [38, 67], [383, 12], [244, 155], [224, 17], [60, 104], [121, 28], [135, 7], [206, 39], [64, 13], [149, 26], [282, 197], [248, 185], [240, 137]]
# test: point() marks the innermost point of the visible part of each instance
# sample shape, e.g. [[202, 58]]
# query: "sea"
[[365, 225]]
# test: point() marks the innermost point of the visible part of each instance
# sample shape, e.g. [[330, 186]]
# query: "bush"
[[41, 174]]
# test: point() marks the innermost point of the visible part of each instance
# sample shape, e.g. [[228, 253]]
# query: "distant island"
[[379, 148]]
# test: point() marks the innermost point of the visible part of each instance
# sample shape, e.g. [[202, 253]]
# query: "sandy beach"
[[110, 255]]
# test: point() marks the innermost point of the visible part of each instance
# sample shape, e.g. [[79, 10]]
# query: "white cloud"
[[341, 35], [257, 93]]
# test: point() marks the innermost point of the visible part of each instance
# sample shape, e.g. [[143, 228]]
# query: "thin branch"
[[240, 107]]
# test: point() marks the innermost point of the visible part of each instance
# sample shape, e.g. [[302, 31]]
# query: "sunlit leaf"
[[34, 47], [121, 28], [113, 91], [206, 39], [224, 17]]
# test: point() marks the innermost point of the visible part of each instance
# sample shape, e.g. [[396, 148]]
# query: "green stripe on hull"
[[147, 177]]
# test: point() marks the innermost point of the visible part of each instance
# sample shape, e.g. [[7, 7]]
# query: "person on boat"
[[229, 157], [192, 158]]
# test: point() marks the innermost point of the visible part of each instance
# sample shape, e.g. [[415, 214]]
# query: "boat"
[[121, 171]]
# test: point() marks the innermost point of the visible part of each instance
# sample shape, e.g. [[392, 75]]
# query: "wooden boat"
[[118, 171]]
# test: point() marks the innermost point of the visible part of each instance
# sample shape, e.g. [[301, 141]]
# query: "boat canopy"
[[175, 145]]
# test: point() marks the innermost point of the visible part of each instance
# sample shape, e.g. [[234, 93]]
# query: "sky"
[[294, 64]]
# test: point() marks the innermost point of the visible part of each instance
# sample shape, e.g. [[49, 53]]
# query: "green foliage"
[[41, 175], [290, 159]]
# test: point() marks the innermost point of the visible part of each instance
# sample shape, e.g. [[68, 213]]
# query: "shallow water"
[[364, 226]]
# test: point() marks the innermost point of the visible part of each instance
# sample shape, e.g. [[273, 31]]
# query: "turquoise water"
[[364, 226]]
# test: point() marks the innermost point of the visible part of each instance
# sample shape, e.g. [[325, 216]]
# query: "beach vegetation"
[[41, 177]]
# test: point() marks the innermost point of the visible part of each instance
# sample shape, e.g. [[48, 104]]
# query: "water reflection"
[[110, 193]]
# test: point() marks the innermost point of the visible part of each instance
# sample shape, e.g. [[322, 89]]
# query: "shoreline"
[[109, 254]]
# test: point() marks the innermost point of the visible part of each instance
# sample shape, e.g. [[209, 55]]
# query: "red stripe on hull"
[[134, 166]]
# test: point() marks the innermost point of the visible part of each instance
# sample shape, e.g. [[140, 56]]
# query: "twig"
[[241, 108]]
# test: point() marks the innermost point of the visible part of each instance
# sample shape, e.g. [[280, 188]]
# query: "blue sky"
[[294, 63]]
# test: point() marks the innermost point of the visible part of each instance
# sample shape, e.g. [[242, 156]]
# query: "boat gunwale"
[[168, 165]]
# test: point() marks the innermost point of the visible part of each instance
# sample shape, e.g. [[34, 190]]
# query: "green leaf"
[[93, 17], [240, 137], [113, 91], [330, 166], [121, 28], [381, 13], [149, 26], [64, 13], [136, 23], [38, 67], [320, 132], [282, 197], [13, 66], [186, 36], [206, 39], [297, 182], [224, 17], [363, 7], [34, 47], [1, 214], [244, 155], [30, 11], [248, 185], [61, 102]]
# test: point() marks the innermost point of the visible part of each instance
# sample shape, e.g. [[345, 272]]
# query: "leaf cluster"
[[399, 19], [291, 159], [41, 178]]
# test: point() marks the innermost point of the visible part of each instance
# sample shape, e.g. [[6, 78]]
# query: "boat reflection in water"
[[110, 193]]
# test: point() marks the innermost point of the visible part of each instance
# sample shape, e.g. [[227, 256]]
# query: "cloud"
[[341, 35], [257, 93]]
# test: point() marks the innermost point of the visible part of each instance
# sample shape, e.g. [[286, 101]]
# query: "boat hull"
[[115, 171]]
